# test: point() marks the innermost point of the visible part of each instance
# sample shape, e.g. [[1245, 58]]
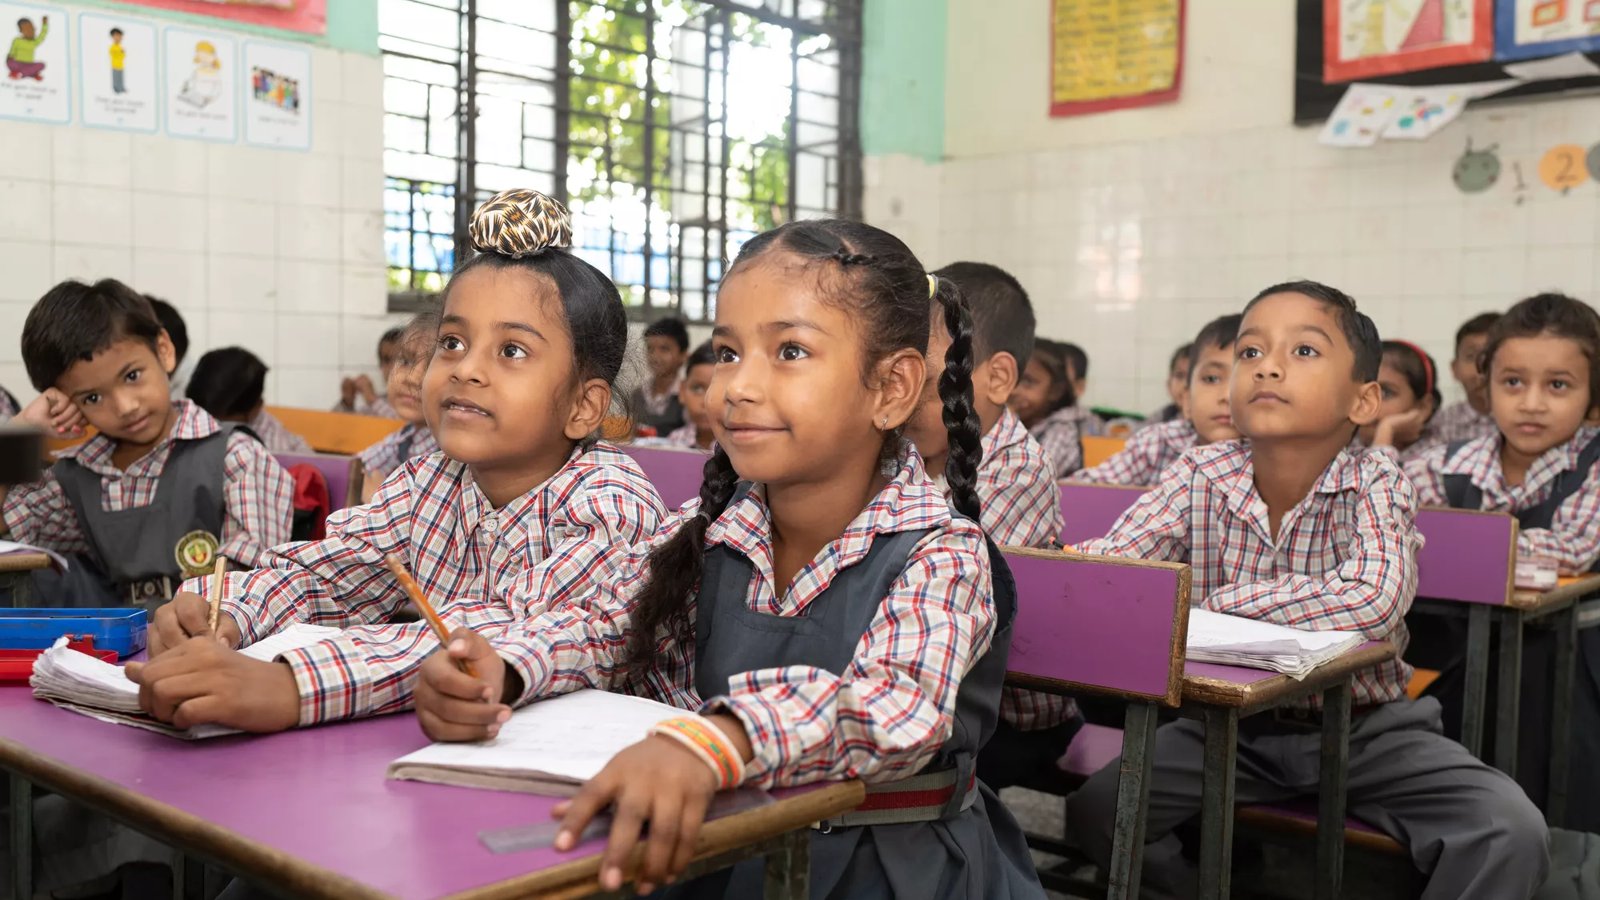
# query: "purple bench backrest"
[[676, 474], [1467, 556], [1089, 510], [1107, 626], [343, 474]]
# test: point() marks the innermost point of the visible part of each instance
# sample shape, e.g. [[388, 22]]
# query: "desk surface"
[[23, 562], [1251, 689], [311, 811], [1569, 590]]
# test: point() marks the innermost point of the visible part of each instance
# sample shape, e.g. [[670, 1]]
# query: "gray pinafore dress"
[[133, 557], [1538, 657], [975, 849]]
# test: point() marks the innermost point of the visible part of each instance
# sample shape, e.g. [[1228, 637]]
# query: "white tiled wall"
[[1132, 229], [277, 251]]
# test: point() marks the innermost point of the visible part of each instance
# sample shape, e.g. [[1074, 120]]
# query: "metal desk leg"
[[1566, 630], [1133, 797], [1332, 777], [788, 869], [1477, 679], [21, 837], [1216, 806], [1508, 702]]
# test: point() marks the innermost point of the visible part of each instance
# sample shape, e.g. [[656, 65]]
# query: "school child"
[[1177, 383], [819, 605], [414, 439], [1288, 526], [163, 488], [523, 508], [360, 387], [1541, 364], [1466, 419], [228, 383], [8, 405], [178, 331], [1077, 366], [1045, 403], [696, 430], [1410, 397], [656, 407], [1207, 416]]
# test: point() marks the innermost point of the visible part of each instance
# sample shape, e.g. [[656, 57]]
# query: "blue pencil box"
[[120, 629]]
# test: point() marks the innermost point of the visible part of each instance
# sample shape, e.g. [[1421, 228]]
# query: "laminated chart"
[[1111, 54]]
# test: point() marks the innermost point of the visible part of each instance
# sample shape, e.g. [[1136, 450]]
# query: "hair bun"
[[520, 222]]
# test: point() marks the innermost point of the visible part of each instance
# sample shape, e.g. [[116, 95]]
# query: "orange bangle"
[[708, 742]]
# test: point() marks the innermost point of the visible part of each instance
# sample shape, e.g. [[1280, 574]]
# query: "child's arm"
[[259, 496], [1157, 525], [40, 514], [1425, 471], [1063, 447], [1137, 463], [1021, 503], [1573, 538], [1370, 590]]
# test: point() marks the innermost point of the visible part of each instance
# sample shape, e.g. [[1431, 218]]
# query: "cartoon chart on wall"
[[1363, 38], [1529, 28], [1477, 169], [38, 82], [118, 60], [1563, 168], [201, 84], [1363, 113], [277, 96]]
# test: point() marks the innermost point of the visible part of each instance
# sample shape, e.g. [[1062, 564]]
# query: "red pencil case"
[[17, 665]]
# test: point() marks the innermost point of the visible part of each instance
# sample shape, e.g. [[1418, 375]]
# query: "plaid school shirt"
[[684, 436], [483, 568], [1456, 422], [1061, 435], [277, 438], [390, 453], [1345, 557], [882, 719], [258, 495], [1146, 455], [1573, 538]]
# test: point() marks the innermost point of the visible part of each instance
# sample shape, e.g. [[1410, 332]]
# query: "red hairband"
[[1427, 366]]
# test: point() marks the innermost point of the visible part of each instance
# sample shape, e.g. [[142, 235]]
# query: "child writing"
[[819, 604], [1044, 400], [162, 489], [1410, 396], [360, 387], [656, 408], [696, 430], [522, 508], [228, 383], [414, 439], [1207, 417], [1288, 526], [1016, 486], [1541, 364]]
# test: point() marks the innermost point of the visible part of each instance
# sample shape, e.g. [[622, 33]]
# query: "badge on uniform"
[[196, 553]]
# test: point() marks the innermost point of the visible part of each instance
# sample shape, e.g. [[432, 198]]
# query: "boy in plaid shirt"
[[1206, 417], [1288, 526]]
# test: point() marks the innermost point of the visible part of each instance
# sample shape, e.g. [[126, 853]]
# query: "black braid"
[[960, 417], [675, 568], [847, 259]]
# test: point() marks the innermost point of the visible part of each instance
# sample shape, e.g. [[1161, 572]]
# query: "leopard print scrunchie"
[[520, 222]]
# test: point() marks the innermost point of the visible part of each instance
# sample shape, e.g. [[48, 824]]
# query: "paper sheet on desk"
[[14, 547], [1236, 641]]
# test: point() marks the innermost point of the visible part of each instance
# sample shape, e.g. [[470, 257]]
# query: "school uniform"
[[1558, 510], [881, 661], [484, 568], [1061, 435], [663, 412], [277, 438], [413, 440], [203, 490], [1456, 422], [378, 407], [687, 436], [1145, 456], [1344, 558]]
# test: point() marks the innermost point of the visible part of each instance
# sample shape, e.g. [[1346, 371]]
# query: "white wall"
[[277, 251], [1132, 229]]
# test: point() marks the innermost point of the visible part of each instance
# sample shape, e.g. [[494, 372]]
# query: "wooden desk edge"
[[1534, 601], [24, 562], [582, 875], [1271, 690]]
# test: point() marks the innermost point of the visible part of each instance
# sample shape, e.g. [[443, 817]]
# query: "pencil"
[[414, 591], [216, 591]]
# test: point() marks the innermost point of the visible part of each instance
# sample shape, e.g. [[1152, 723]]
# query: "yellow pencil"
[[216, 591], [414, 591]]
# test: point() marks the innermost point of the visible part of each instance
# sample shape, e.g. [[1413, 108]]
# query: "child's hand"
[[55, 414], [187, 616], [347, 393], [454, 706], [658, 781], [368, 392], [201, 682], [1400, 429]]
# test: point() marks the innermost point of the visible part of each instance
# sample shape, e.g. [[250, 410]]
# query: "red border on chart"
[[1479, 49], [1149, 98], [309, 16]]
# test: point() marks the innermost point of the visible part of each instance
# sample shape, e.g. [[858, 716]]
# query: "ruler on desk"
[[539, 835]]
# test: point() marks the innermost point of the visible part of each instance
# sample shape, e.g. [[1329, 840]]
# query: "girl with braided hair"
[[819, 611]]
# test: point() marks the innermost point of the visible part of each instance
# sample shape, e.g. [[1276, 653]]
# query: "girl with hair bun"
[[523, 508], [819, 611]]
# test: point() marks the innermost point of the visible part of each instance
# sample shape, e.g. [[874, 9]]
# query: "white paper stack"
[[95, 688], [1235, 641]]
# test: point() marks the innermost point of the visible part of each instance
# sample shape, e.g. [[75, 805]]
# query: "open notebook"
[[83, 684], [550, 747], [1234, 641]]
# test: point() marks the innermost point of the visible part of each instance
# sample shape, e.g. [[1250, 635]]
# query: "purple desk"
[[1089, 510], [310, 813], [675, 473]]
